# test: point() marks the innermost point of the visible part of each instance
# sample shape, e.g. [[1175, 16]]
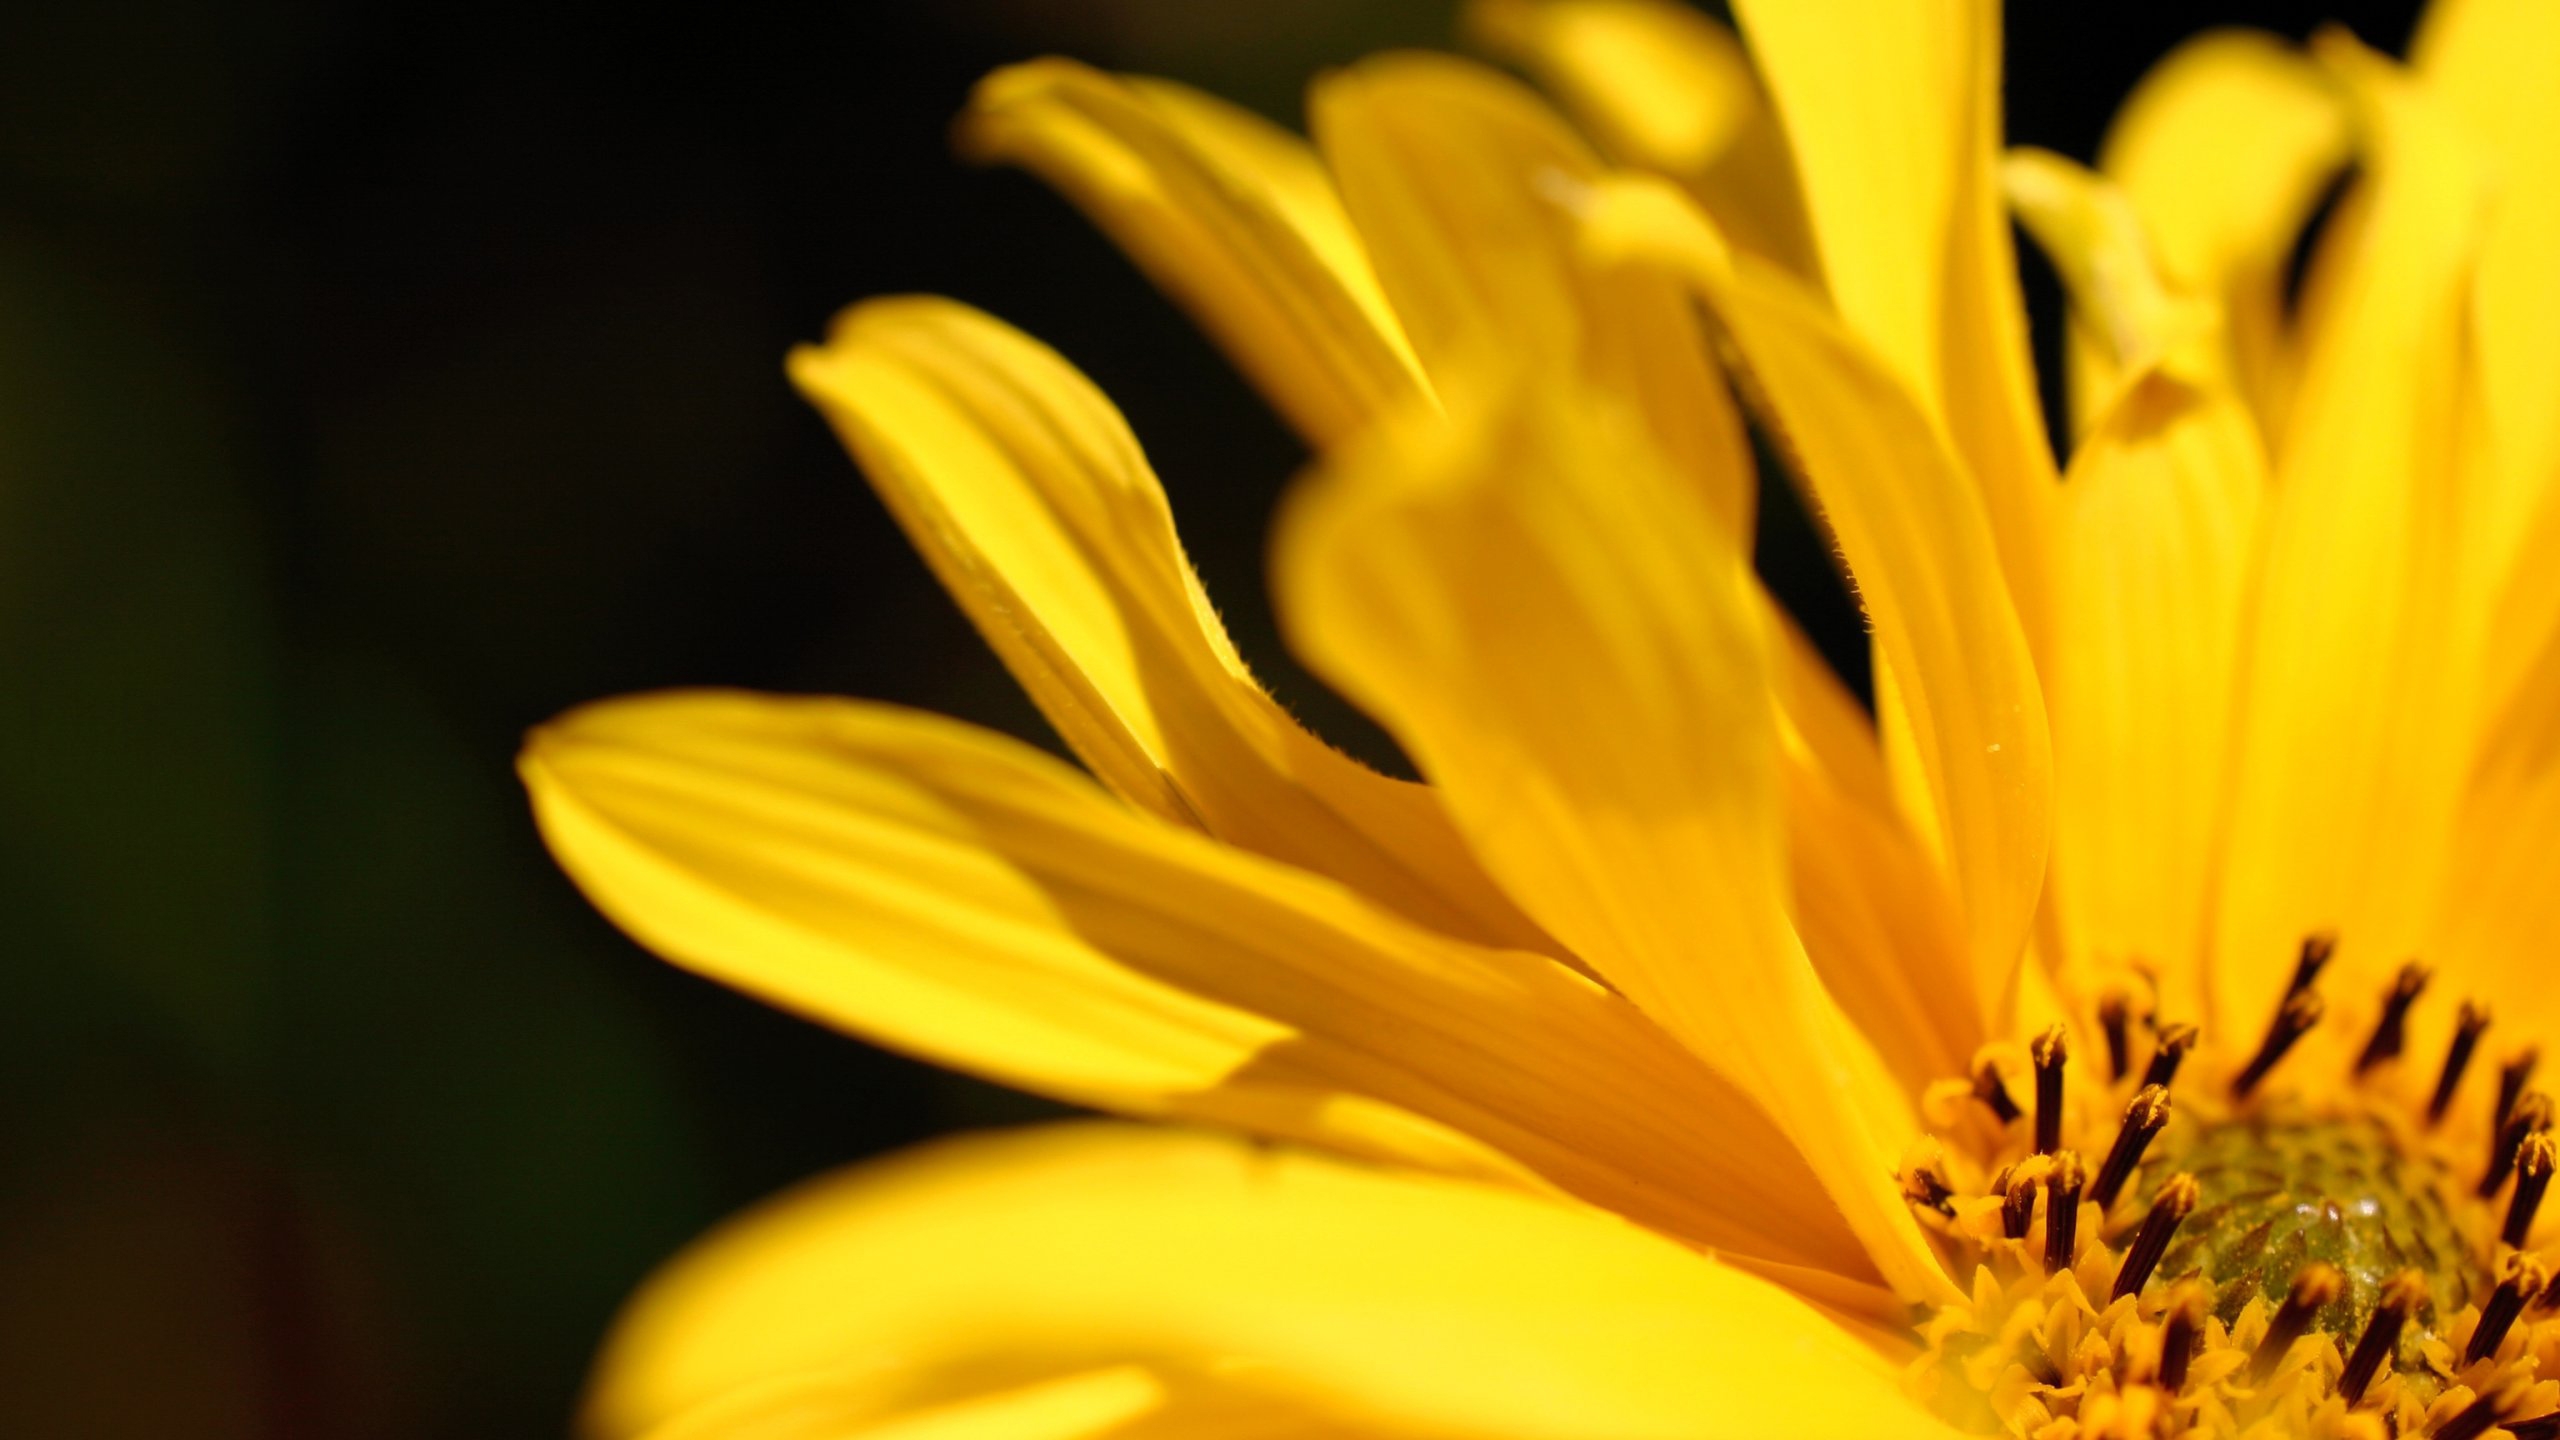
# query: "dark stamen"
[[2392, 1032], [1988, 1089], [2115, 1016], [2535, 1156], [2017, 1185], [2178, 1338], [2317, 947], [2175, 1041], [2176, 1200], [2524, 1279], [2457, 1058], [2511, 1078], [2480, 1414], [2301, 1010], [2532, 1114], [1925, 1184], [2540, 1427], [2142, 1120], [2314, 1285], [2062, 1210], [2402, 1294], [2050, 1052]]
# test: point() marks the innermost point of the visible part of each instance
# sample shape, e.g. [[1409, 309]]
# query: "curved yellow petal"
[[1107, 1402], [1027, 494], [2223, 149], [1873, 94], [1464, 184], [2120, 298], [2500, 909], [1867, 897], [1921, 554], [956, 895], [1892, 111], [1663, 86], [1993, 412], [2491, 63], [2159, 529], [2157, 544], [1230, 215], [2357, 699], [1568, 644], [1051, 1259]]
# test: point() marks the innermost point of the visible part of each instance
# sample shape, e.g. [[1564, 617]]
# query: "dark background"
[[377, 380]]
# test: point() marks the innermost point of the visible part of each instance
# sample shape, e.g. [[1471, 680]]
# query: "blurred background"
[[377, 380]]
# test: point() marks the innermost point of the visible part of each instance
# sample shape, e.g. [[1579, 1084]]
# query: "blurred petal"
[[956, 895], [2356, 703], [1920, 553], [1663, 86], [2223, 149], [1231, 215], [2099, 247], [1559, 633], [1035, 507], [2491, 63], [1390, 1303], [1463, 184]]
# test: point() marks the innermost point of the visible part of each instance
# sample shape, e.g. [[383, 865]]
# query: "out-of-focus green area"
[[377, 380]]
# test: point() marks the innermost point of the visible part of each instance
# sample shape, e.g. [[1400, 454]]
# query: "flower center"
[[2255, 1246], [2281, 1191]]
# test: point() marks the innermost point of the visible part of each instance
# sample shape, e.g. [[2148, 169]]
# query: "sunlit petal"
[[1464, 186], [956, 895], [1552, 623], [2223, 150], [1034, 505], [1390, 1304], [1892, 111], [1663, 86], [1228, 213], [1920, 551], [2357, 687]]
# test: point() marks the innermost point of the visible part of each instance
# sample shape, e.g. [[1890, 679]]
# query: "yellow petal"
[[1892, 109], [1873, 96], [1994, 415], [1463, 185], [1920, 552], [2357, 696], [959, 896], [1232, 216], [1662, 86], [2491, 63], [1386, 1303], [2119, 295], [2159, 523], [2160, 519], [1565, 641], [1107, 1401], [1868, 899], [1034, 505], [2500, 908], [2223, 150]]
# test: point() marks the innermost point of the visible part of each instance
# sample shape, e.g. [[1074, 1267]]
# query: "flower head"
[[1690, 1054]]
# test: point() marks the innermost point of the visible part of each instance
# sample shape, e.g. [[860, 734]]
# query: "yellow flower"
[[1691, 1056]]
